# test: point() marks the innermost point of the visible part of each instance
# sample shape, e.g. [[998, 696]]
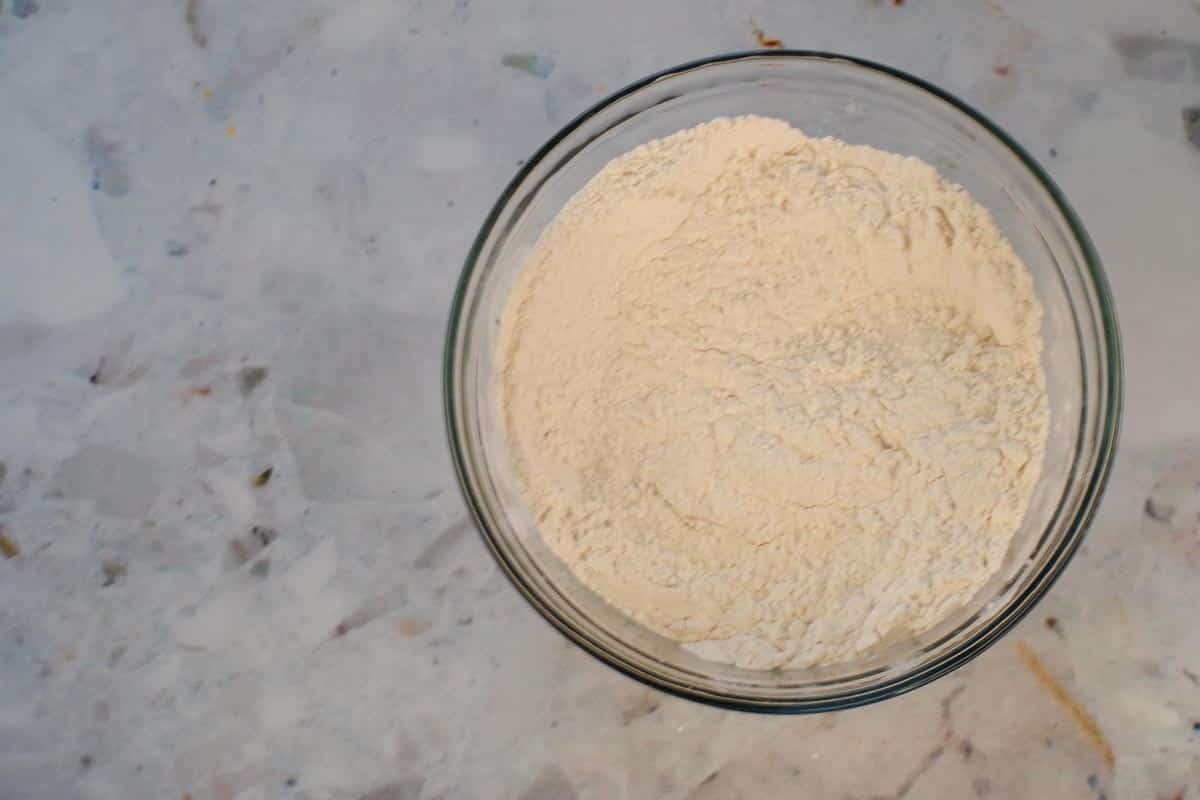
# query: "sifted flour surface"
[[778, 393]]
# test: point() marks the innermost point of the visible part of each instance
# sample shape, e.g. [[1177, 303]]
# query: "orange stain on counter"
[[768, 42], [1079, 714]]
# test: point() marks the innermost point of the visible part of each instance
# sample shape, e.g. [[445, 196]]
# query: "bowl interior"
[[861, 104]]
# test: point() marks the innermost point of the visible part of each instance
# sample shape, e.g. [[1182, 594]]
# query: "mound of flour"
[[776, 392]]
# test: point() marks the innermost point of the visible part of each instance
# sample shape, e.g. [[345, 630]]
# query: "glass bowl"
[[862, 103]]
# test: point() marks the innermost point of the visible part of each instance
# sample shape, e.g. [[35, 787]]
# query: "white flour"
[[778, 392]]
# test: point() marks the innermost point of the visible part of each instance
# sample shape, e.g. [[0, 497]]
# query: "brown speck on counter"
[[409, 627], [261, 478], [1002, 69], [768, 42], [8, 548], [195, 391]]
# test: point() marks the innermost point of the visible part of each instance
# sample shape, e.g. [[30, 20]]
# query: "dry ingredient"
[[775, 395]]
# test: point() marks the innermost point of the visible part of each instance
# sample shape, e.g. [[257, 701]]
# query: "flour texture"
[[778, 395]]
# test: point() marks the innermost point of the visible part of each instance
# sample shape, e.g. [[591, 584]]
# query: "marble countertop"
[[235, 561]]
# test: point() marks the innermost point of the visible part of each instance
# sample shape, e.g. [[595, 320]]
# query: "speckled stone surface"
[[229, 236]]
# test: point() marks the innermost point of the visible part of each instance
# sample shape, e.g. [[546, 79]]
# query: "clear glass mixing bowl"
[[861, 103]]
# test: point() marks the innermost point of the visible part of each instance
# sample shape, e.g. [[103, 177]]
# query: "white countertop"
[[197, 188]]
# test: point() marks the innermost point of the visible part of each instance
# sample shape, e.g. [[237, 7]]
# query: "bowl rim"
[[1107, 433]]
